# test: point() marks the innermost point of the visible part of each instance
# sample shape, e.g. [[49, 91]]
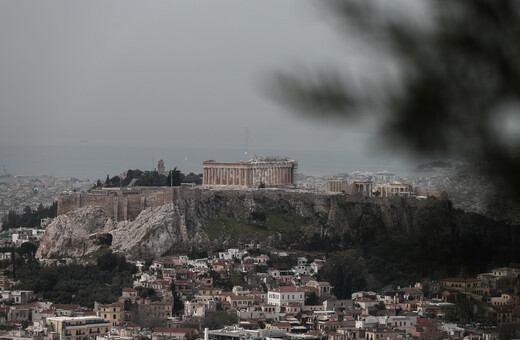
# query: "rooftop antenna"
[[5, 171], [248, 143]]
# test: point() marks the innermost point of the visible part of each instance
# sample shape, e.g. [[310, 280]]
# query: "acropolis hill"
[[122, 204], [127, 202], [175, 220]]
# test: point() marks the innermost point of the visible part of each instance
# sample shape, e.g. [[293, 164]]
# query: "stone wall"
[[124, 205], [119, 204]]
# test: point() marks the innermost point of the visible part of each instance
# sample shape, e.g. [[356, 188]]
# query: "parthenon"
[[251, 173]]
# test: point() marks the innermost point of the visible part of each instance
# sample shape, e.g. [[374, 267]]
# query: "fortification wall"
[[118, 204], [121, 206]]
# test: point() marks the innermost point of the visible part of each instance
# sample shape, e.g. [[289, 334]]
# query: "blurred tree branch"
[[459, 70]]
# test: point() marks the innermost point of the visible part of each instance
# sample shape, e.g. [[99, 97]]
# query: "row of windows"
[[277, 296]]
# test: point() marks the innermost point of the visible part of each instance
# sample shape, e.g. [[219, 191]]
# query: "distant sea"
[[86, 160]]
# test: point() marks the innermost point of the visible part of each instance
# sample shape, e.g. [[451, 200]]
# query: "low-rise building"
[[163, 333], [285, 295], [114, 312], [129, 294], [78, 328]]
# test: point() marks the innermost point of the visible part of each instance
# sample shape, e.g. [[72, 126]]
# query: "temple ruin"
[[395, 189], [346, 186], [251, 173]]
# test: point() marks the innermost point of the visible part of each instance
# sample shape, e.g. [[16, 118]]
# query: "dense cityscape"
[[256, 290], [268, 170]]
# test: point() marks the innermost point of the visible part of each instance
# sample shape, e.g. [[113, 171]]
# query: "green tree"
[[192, 178], [175, 178], [190, 336], [27, 249], [311, 299], [177, 302]]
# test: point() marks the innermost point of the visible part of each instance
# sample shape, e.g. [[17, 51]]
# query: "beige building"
[[470, 285], [503, 300], [77, 328], [251, 173], [113, 313]]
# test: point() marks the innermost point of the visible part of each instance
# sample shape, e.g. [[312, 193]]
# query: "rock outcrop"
[[182, 226], [75, 234], [157, 231]]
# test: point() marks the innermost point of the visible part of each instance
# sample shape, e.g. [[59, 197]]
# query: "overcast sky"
[[184, 73]]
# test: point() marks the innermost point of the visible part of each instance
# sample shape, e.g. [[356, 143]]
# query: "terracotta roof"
[[287, 289], [241, 297], [294, 304], [115, 304], [129, 290], [161, 282], [333, 323], [309, 289], [256, 292]]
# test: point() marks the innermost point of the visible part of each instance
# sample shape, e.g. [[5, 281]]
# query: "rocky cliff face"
[[184, 225], [77, 233]]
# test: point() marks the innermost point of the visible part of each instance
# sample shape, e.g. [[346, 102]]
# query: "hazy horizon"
[[86, 161], [182, 75]]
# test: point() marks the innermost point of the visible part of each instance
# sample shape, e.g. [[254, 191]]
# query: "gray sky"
[[183, 73]]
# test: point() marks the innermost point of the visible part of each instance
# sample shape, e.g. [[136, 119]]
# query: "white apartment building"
[[285, 295]]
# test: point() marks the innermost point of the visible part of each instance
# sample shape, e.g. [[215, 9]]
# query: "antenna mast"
[[248, 142]]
